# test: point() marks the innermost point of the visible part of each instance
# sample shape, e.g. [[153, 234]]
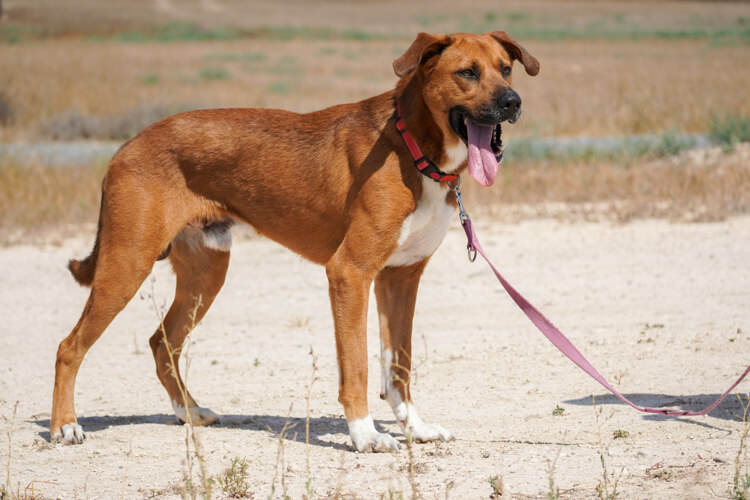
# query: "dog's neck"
[[426, 133], [424, 164]]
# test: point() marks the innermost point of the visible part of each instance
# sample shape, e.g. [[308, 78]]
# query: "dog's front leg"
[[396, 292], [349, 284]]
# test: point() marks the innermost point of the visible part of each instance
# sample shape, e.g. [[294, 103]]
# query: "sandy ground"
[[660, 308]]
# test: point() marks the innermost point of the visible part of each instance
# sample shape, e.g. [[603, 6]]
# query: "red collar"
[[423, 164]]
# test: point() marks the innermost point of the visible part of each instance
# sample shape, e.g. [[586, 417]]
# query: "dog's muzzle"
[[508, 105], [482, 133]]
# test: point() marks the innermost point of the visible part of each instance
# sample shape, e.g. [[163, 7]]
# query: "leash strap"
[[566, 346]]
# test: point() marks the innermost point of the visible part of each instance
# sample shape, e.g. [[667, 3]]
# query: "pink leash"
[[555, 336]]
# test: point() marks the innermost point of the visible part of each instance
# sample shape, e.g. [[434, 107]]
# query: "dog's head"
[[465, 82]]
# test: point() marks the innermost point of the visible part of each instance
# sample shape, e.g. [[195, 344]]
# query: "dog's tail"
[[83, 270]]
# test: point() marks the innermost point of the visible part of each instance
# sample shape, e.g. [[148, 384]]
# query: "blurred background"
[[641, 109]]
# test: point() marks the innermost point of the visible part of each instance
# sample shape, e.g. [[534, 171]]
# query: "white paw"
[[412, 425], [199, 416], [423, 433], [366, 438], [70, 434]]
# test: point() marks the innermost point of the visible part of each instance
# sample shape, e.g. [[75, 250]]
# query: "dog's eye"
[[469, 74], [505, 70]]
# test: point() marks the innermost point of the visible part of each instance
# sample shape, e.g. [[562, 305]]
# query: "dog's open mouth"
[[484, 142]]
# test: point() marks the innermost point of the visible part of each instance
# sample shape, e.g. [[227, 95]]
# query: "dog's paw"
[[366, 438], [199, 416], [69, 434], [412, 425], [423, 433]]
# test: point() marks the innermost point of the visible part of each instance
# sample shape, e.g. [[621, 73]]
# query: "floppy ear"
[[421, 49], [517, 52]]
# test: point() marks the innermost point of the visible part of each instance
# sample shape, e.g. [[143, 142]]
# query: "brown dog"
[[338, 186]]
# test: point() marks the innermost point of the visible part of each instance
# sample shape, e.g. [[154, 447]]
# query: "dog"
[[340, 186]]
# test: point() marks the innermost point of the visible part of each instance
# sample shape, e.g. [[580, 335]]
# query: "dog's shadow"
[[732, 408], [292, 429]]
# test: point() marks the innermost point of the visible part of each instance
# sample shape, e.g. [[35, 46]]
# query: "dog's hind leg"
[[396, 293], [142, 210], [120, 270], [200, 259]]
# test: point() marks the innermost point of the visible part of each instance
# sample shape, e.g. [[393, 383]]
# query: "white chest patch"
[[424, 229], [456, 156]]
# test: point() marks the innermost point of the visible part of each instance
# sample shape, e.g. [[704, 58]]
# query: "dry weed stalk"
[[741, 481], [280, 460], [313, 379], [190, 433], [554, 491], [127, 464], [605, 489], [7, 490], [409, 439]]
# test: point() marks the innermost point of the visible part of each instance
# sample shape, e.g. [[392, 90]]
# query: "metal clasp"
[[463, 215]]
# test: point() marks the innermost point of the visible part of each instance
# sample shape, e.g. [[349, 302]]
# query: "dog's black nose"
[[509, 104]]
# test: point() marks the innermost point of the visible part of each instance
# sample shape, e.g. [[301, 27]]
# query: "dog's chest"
[[424, 229]]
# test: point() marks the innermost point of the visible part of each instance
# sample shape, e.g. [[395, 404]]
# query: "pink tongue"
[[482, 162]]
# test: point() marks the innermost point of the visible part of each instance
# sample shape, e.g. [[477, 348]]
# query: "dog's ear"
[[517, 52], [421, 49]]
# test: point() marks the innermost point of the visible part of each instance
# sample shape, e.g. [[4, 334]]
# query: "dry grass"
[[693, 186], [597, 78], [700, 185], [109, 79], [585, 87], [34, 198], [389, 19], [607, 68]]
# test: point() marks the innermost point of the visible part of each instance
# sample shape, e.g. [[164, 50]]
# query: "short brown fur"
[[334, 186]]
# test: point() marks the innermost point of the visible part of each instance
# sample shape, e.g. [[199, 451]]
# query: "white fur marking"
[[456, 156], [198, 415], [366, 438], [385, 371], [424, 229], [406, 414], [70, 434], [420, 431], [220, 240]]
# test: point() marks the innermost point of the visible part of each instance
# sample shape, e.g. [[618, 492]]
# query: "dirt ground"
[[660, 308]]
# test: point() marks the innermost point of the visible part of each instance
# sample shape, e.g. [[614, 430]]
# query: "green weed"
[[620, 434], [281, 88], [554, 492], [729, 130], [215, 74], [427, 21], [179, 32], [250, 57], [233, 481], [496, 483], [150, 79]]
